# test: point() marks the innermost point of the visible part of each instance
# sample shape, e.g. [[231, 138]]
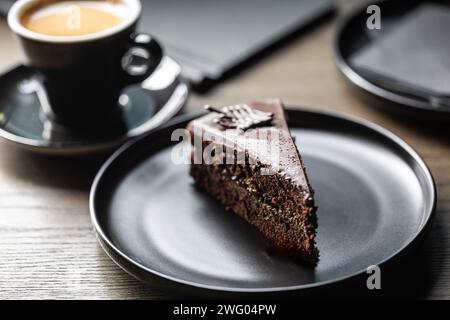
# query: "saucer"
[[144, 107]]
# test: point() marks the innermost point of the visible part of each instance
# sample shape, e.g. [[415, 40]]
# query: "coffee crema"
[[74, 18]]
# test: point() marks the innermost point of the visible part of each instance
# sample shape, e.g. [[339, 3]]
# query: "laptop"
[[211, 39]]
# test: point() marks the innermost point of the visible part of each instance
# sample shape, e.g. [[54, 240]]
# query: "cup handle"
[[144, 54]]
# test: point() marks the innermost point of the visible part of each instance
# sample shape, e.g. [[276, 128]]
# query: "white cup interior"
[[19, 7]]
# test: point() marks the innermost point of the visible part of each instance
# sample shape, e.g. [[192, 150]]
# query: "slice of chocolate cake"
[[245, 157]]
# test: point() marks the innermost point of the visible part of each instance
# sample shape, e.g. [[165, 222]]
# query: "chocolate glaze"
[[289, 165]]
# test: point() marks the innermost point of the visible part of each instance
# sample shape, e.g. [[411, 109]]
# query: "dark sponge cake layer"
[[287, 225]]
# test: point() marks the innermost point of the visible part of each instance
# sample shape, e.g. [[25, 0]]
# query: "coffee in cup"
[[73, 18], [83, 52]]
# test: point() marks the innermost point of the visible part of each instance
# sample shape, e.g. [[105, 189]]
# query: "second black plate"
[[375, 195], [352, 35]]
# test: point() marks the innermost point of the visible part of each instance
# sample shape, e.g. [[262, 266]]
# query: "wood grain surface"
[[48, 249]]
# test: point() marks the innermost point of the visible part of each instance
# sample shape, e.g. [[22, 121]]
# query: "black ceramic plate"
[[144, 107], [352, 35], [375, 195]]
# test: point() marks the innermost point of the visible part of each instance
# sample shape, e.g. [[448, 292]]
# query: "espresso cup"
[[82, 75]]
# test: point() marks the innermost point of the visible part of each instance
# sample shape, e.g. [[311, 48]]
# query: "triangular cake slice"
[[245, 157]]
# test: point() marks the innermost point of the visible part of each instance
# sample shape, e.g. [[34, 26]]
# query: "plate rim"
[[362, 83], [68, 149], [105, 241]]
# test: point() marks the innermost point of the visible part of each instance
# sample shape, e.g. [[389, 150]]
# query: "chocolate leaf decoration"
[[241, 117]]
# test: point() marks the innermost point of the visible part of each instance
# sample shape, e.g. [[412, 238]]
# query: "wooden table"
[[48, 248]]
